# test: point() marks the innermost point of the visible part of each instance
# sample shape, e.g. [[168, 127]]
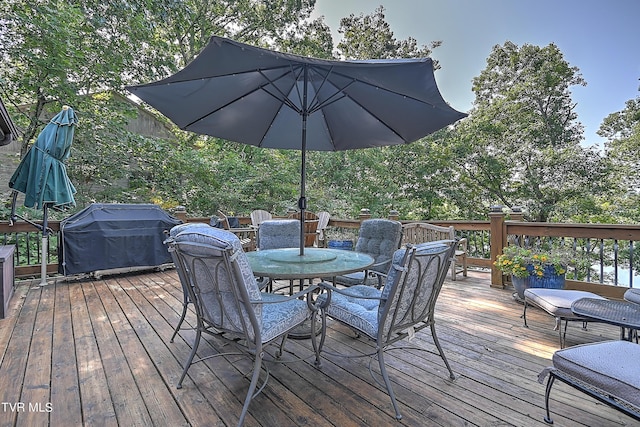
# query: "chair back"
[[412, 288], [172, 234], [323, 222], [311, 221], [277, 234], [379, 238], [222, 284], [422, 232], [258, 216]]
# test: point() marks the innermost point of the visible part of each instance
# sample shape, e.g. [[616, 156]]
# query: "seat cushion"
[[611, 366], [278, 318], [556, 302], [353, 279], [632, 295], [355, 311]]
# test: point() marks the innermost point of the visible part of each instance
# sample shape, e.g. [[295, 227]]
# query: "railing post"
[[364, 214], [498, 241], [181, 213], [394, 215], [517, 214]]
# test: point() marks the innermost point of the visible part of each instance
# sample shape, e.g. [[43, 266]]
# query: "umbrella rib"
[[261, 87], [283, 96]]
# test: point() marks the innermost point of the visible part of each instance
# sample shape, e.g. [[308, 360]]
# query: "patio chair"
[[557, 303], [607, 371], [278, 234], [259, 216], [247, 241], [226, 297], [323, 222], [311, 221], [378, 238], [183, 280], [422, 232], [403, 307]]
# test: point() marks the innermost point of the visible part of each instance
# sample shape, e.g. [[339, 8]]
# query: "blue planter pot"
[[346, 245], [550, 280]]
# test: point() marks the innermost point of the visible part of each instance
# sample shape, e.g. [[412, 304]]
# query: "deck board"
[[97, 352]]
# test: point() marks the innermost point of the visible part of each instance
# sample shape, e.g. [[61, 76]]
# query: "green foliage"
[[370, 36], [519, 147], [523, 262], [521, 144], [622, 130]]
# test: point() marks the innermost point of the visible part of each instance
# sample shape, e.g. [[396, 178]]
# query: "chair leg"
[[453, 270], [252, 386], [444, 358], [191, 356], [547, 417], [314, 340], [323, 335], [185, 303], [387, 382]]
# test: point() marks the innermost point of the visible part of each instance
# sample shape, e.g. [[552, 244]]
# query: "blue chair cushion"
[[277, 318], [355, 311]]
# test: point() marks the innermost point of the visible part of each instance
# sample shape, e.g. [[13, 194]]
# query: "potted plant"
[[533, 268], [340, 238]]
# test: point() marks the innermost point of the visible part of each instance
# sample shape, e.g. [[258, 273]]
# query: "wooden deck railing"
[[608, 246]]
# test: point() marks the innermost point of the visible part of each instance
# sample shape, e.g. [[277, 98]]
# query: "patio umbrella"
[[270, 99], [42, 175]]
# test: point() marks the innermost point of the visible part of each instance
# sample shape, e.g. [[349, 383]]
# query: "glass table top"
[[316, 262]]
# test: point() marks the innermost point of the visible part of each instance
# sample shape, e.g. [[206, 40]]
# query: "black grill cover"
[[107, 236]]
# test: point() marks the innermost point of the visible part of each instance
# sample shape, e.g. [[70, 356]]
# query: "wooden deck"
[[97, 352]]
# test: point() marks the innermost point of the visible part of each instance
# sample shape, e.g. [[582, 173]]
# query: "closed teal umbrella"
[[42, 175]]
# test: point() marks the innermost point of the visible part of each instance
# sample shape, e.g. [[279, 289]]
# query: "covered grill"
[[113, 236]]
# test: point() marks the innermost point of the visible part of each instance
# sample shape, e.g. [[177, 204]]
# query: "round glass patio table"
[[315, 263]]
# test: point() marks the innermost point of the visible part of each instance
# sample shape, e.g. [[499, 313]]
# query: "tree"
[[622, 130], [370, 37], [79, 53], [521, 144]]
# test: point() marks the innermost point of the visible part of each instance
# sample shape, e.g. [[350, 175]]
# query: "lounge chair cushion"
[[556, 302], [611, 366], [632, 295]]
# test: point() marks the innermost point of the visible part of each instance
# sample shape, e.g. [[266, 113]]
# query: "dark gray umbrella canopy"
[[275, 100], [256, 96]]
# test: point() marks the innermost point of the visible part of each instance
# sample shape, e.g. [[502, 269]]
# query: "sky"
[[600, 37]]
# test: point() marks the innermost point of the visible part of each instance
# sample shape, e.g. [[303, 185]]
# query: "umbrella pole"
[[13, 217], [45, 241], [302, 202]]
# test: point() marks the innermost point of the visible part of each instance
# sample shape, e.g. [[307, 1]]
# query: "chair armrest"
[[463, 244], [284, 298]]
